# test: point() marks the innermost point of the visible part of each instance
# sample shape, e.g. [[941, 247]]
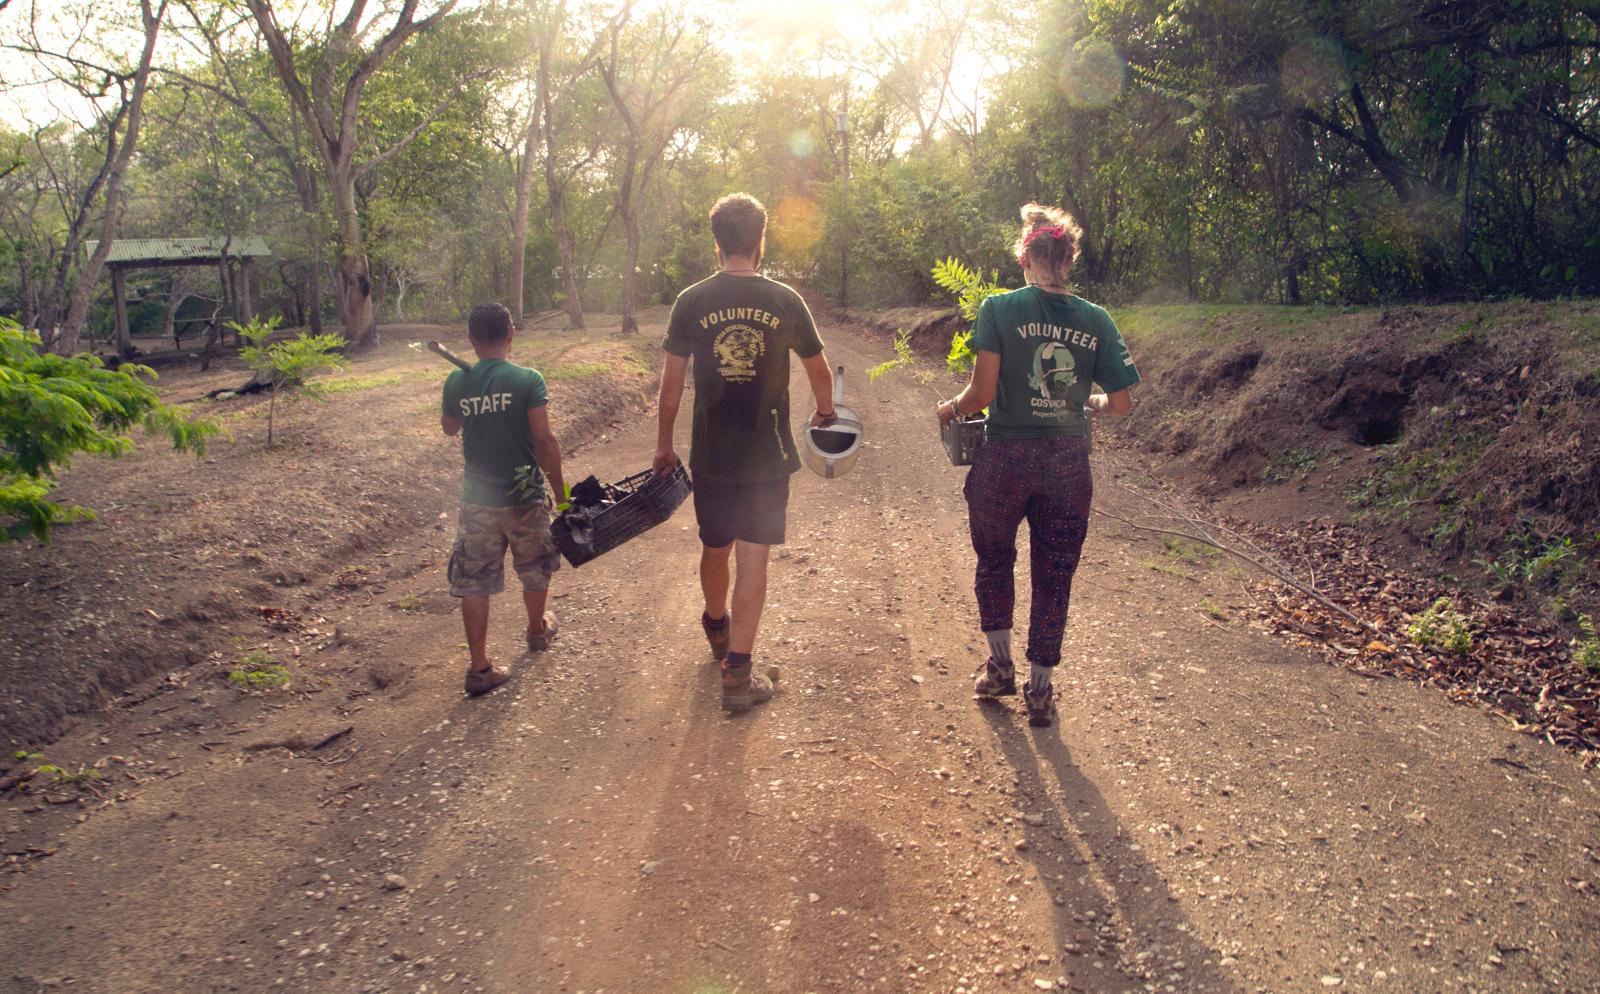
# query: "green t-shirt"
[[1051, 348], [492, 400], [739, 331]]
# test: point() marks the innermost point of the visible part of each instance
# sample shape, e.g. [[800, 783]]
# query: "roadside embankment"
[[186, 553], [1394, 457]]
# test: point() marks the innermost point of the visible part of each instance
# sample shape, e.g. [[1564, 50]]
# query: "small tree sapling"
[[288, 363]]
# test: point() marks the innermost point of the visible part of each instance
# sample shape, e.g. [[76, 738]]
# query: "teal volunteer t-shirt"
[[1052, 349], [492, 401]]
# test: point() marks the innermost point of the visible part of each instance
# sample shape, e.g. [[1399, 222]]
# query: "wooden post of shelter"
[[119, 296], [247, 305]]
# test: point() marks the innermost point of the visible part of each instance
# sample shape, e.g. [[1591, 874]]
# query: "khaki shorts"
[[478, 560]]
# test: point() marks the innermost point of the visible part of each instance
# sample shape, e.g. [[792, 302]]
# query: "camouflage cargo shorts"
[[477, 562]]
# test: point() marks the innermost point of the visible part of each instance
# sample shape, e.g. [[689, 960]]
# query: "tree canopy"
[[405, 158]]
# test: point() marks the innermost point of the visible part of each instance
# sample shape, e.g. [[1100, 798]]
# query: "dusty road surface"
[[1215, 813]]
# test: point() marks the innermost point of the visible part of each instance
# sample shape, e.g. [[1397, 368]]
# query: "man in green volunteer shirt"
[[501, 411], [737, 328]]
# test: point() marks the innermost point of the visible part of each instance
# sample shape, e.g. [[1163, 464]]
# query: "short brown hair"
[[1055, 250], [489, 323], [737, 223]]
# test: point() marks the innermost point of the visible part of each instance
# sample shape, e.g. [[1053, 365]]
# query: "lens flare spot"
[[1314, 69], [796, 226], [801, 144], [1093, 74]]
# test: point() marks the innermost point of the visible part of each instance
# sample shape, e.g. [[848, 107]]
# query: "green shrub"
[[54, 407], [1586, 650], [259, 672], [1441, 626]]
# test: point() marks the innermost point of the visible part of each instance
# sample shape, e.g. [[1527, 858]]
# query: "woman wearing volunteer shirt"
[[1040, 350]]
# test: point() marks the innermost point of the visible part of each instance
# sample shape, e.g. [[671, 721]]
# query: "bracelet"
[[830, 414], [955, 409]]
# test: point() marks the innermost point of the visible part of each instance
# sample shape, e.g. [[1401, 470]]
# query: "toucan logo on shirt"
[[1055, 372]]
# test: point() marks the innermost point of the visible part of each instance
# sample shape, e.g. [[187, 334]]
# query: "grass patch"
[[258, 672], [409, 603], [1298, 463], [59, 775], [577, 371], [371, 381], [1217, 324], [1209, 608], [1407, 480], [1191, 553], [1167, 568]]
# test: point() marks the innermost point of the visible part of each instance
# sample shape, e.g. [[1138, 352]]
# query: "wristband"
[[830, 414], [955, 408]]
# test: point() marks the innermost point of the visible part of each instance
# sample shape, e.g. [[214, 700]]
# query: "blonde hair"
[[1054, 251]]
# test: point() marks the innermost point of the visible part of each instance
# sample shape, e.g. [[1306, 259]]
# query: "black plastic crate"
[[641, 502], [962, 438]]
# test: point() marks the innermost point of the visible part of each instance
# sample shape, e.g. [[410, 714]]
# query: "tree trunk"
[[177, 293], [630, 230], [305, 184], [572, 299], [355, 278], [519, 221], [82, 292]]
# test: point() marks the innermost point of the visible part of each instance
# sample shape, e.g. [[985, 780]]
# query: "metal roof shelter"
[[145, 253]]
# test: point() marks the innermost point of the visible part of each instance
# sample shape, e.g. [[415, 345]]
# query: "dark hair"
[[1055, 249], [737, 223], [489, 323]]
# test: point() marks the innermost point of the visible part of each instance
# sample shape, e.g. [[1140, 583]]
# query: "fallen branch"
[[299, 741], [13, 779], [1280, 575]]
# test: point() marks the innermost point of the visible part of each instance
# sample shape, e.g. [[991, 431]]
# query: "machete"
[[440, 350]]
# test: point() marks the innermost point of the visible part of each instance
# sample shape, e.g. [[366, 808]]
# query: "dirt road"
[[1215, 813]]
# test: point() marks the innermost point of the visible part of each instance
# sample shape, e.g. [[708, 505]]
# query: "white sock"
[[1000, 645], [1039, 677]]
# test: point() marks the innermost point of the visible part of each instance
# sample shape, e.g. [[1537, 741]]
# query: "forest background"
[[406, 159]]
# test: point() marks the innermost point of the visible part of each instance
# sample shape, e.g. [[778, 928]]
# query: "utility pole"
[[842, 127]]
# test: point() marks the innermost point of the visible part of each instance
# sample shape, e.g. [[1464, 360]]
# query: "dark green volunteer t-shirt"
[[492, 400], [1051, 349], [739, 331]]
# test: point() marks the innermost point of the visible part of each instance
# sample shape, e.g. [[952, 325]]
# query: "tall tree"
[[561, 59], [329, 104], [651, 70], [93, 78]]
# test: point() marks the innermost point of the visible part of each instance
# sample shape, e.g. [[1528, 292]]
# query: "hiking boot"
[[718, 637], [998, 680], [742, 689], [540, 641], [484, 680], [1041, 706]]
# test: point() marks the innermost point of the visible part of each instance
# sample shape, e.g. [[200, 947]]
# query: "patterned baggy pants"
[[1047, 482]]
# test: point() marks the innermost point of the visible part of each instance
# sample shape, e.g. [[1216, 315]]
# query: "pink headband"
[[1058, 232]]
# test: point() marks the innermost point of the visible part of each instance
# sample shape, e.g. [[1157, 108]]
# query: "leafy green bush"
[[289, 363], [1441, 626], [971, 290], [1586, 650], [53, 407]]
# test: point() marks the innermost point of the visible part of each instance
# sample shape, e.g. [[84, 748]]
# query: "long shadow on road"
[[1132, 893]]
